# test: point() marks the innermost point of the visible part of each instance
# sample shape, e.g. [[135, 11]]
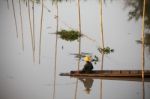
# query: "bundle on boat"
[[69, 35]]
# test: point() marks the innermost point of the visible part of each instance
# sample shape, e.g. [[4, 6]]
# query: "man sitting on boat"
[[88, 67]]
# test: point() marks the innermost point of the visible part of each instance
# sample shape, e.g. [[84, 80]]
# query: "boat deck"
[[109, 73]]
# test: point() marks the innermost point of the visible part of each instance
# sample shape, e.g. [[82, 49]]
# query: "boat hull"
[[109, 73]]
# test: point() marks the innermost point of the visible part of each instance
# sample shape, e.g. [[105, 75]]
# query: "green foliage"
[[95, 58], [69, 35], [146, 40], [81, 55], [136, 10], [106, 50]]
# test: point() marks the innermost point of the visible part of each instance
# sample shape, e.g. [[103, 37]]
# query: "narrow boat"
[[109, 73]]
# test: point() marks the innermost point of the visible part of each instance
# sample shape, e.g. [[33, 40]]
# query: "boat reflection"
[[88, 82]]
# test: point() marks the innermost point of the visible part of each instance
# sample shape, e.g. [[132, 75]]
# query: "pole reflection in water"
[[101, 81], [143, 89], [76, 89], [101, 89]]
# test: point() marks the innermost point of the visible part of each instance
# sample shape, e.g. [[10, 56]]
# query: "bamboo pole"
[[56, 42], [33, 16], [143, 40], [15, 18], [102, 62], [79, 22], [57, 27], [101, 27], [31, 31], [40, 40], [101, 21], [22, 36]]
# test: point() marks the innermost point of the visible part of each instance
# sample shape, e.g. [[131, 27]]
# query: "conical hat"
[[87, 58]]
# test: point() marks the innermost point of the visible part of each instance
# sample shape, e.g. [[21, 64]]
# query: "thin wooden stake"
[[101, 27], [15, 17], [22, 36], [31, 30], [41, 33], [143, 40], [101, 22], [79, 21], [55, 64], [102, 62]]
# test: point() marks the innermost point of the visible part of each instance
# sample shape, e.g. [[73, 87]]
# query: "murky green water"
[[21, 78]]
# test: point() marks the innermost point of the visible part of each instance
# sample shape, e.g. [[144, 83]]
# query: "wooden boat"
[[109, 73]]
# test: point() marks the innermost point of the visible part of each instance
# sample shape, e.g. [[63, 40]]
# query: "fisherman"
[[88, 67]]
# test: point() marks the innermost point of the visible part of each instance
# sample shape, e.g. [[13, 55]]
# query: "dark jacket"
[[88, 67]]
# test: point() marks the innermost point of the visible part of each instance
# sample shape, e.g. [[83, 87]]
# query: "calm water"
[[21, 78]]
